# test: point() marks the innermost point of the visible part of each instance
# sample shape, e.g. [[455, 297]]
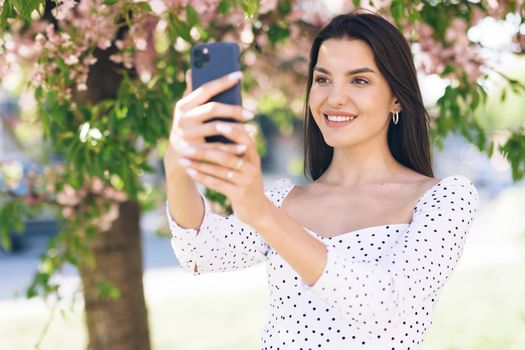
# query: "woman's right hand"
[[189, 129]]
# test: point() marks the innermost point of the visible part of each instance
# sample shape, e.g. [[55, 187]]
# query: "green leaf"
[[475, 98], [250, 7], [8, 11], [356, 3], [397, 9], [278, 32], [192, 18], [284, 8], [109, 2], [26, 7], [224, 7], [503, 95], [107, 291], [180, 28], [448, 69], [5, 240]]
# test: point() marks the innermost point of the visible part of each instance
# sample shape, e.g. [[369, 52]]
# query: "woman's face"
[[347, 82]]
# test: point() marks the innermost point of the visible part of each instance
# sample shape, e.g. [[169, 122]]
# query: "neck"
[[361, 164]]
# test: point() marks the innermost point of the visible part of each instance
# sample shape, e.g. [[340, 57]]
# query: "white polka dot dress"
[[380, 283]]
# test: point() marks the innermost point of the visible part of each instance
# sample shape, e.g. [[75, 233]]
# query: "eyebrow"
[[350, 72]]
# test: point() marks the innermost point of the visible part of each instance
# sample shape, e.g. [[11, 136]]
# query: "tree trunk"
[[120, 323], [114, 323]]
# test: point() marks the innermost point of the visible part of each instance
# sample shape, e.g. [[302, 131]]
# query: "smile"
[[335, 121]]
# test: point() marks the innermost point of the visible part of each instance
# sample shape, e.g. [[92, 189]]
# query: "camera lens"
[[197, 63]]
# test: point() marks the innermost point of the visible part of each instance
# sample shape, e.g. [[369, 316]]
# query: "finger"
[[209, 89], [188, 83], [217, 109], [241, 134], [234, 149], [212, 170], [211, 155], [213, 183], [210, 129]]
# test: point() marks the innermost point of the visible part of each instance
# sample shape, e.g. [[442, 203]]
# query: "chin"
[[339, 142]]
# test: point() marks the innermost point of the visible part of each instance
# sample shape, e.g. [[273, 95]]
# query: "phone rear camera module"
[[201, 57]]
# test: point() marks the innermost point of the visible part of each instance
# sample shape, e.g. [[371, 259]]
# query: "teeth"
[[335, 118]]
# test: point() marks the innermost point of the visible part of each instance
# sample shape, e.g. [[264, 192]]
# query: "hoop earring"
[[395, 117]]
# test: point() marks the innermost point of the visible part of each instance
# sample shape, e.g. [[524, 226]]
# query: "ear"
[[396, 105]]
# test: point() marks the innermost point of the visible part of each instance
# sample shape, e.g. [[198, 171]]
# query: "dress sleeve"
[[416, 267], [220, 244]]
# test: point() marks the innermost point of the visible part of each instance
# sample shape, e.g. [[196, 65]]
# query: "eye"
[[320, 79], [360, 81]]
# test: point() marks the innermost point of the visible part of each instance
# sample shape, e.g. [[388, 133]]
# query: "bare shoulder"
[[419, 184], [427, 182]]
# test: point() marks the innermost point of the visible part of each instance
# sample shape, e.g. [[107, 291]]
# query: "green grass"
[[481, 309]]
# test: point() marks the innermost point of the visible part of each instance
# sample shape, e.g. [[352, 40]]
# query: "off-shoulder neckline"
[[290, 185]]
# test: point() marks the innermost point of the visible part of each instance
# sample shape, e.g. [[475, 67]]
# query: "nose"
[[338, 94]]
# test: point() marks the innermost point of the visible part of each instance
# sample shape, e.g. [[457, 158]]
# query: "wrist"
[[265, 217], [170, 158]]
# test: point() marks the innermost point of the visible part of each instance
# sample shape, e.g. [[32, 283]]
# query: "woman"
[[356, 258]]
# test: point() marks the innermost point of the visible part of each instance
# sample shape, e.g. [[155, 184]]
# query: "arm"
[[416, 267], [185, 204], [220, 243]]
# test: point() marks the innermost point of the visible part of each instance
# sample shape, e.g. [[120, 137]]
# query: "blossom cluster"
[[72, 201], [81, 27], [137, 48], [457, 51], [104, 196]]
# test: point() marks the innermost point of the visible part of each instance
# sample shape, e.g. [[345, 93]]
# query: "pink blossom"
[[97, 185], [64, 10], [89, 60], [104, 43], [69, 196], [67, 212], [71, 59], [116, 195], [267, 6], [82, 87]]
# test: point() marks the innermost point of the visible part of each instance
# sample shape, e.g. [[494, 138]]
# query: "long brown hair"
[[408, 141]]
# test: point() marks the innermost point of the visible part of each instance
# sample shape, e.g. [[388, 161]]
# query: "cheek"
[[315, 98], [371, 100]]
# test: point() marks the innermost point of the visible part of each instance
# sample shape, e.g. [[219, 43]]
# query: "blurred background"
[[85, 106]]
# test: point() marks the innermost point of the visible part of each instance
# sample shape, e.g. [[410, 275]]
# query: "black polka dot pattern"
[[378, 288], [222, 243]]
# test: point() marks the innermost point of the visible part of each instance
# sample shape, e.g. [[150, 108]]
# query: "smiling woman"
[[357, 258], [361, 66]]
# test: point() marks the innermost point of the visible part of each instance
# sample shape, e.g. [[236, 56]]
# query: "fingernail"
[[247, 114], [241, 148], [250, 128], [191, 172], [235, 75], [184, 161], [188, 150], [224, 128]]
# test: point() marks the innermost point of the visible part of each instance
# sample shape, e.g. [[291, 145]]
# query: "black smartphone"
[[211, 61]]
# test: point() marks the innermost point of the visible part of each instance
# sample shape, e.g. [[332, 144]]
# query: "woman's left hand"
[[212, 164]]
